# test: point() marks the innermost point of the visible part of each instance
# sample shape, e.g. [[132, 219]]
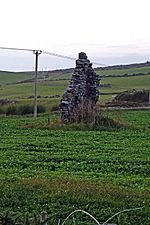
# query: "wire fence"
[[84, 218]]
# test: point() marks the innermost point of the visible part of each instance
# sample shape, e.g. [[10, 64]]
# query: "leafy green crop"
[[58, 171]]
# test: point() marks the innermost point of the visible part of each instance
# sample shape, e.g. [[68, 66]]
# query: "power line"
[[37, 53], [48, 53], [58, 55], [18, 49], [69, 57]]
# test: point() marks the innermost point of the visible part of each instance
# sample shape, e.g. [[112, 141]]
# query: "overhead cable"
[[48, 53]]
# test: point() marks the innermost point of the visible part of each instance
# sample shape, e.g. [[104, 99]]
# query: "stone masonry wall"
[[78, 103]]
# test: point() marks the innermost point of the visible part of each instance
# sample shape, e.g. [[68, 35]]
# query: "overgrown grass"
[[15, 109], [61, 196], [18, 108]]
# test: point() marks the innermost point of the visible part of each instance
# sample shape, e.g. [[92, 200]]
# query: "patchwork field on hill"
[[13, 77], [51, 86]]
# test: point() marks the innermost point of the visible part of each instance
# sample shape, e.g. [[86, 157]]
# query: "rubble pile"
[[140, 96], [78, 103], [131, 98]]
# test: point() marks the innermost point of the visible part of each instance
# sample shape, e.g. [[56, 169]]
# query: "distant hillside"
[[115, 67], [128, 66], [136, 69], [1, 71], [13, 77]]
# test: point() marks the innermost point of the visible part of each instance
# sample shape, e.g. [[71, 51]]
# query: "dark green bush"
[[41, 109], [24, 109], [2, 110], [11, 110], [105, 121], [54, 108]]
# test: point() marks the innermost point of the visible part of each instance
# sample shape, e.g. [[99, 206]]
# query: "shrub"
[[105, 121], [54, 108], [2, 110], [24, 109], [11, 110], [41, 109]]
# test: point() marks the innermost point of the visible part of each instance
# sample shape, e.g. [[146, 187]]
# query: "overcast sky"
[[109, 31]]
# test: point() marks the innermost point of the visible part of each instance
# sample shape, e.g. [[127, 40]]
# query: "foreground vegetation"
[[59, 171]]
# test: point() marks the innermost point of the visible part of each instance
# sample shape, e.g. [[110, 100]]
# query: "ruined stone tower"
[[78, 103]]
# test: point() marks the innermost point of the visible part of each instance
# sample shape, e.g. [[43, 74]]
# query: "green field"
[[101, 172], [144, 70], [25, 90], [59, 171], [12, 77], [56, 83], [121, 84], [57, 87]]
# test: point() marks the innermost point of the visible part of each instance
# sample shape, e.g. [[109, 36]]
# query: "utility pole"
[[37, 53]]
